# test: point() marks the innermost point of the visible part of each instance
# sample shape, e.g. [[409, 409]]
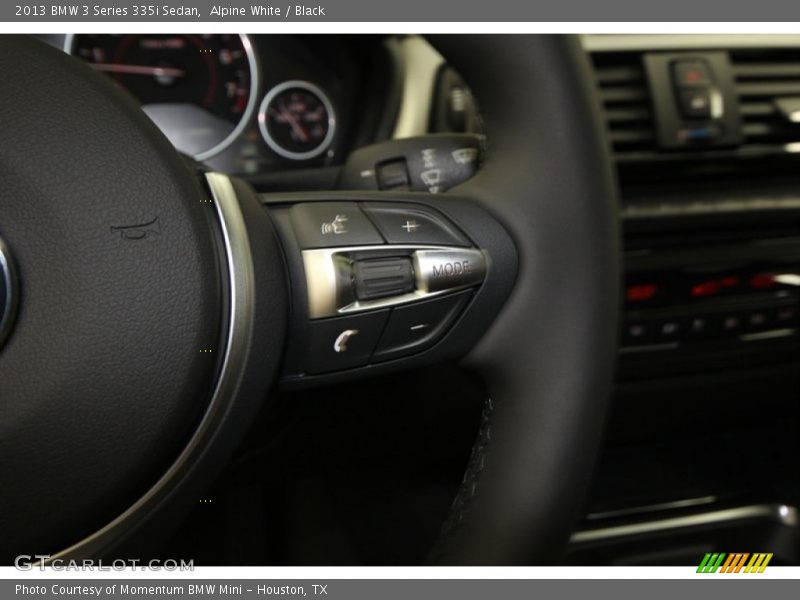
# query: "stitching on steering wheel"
[[469, 484]]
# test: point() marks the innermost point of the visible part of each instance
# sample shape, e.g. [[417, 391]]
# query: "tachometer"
[[297, 121], [199, 89]]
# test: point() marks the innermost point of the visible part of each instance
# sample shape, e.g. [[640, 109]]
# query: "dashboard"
[[250, 104], [703, 133]]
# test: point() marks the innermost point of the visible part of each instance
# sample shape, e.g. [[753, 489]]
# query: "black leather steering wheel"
[[154, 305]]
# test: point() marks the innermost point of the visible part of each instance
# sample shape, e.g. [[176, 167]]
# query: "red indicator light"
[[713, 287], [639, 293], [693, 76], [730, 281], [763, 281], [707, 288]]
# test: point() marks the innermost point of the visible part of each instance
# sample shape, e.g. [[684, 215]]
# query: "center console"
[[705, 421], [709, 287]]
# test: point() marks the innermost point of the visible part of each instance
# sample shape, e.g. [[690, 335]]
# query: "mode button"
[[441, 270]]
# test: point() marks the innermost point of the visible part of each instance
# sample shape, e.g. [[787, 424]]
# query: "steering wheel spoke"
[[384, 281]]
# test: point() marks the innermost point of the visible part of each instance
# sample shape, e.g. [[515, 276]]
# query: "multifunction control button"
[[382, 281], [413, 224], [439, 270], [382, 277], [332, 224], [416, 327], [348, 280], [344, 342]]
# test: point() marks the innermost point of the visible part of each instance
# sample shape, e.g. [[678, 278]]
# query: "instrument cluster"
[[241, 104]]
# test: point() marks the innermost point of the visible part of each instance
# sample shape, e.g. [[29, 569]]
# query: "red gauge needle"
[[287, 116], [138, 70]]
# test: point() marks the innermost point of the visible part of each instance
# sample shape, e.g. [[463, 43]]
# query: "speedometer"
[[199, 89]]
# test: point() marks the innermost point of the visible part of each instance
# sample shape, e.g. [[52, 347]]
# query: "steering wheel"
[[150, 309]]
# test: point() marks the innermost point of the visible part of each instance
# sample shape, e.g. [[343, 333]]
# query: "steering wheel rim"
[[546, 177], [127, 297]]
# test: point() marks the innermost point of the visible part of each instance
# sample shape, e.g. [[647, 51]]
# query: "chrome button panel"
[[437, 270]]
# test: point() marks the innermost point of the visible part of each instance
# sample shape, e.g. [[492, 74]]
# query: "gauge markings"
[[297, 121], [199, 89]]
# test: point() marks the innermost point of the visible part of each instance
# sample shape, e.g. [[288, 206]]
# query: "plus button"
[[411, 226]]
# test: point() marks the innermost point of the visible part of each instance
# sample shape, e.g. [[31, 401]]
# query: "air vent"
[[771, 141], [626, 101], [762, 78]]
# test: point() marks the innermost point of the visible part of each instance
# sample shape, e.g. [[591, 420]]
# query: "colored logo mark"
[[734, 563]]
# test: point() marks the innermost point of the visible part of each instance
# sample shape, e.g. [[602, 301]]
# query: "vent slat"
[[628, 114], [631, 136], [774, 130], [623, 74], [624, 94], [746, 71], [758, 129], [760, 78], [756, 109], [769, 88], [623, 87]]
